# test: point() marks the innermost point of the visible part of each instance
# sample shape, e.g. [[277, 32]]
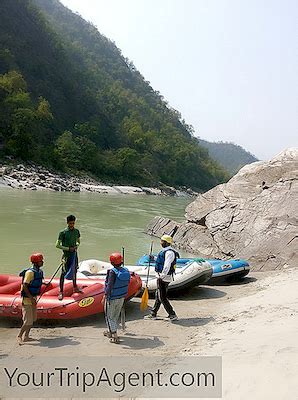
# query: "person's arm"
[[169, 258], [59, 242], [59, 245], [111, 278], [78, 242]]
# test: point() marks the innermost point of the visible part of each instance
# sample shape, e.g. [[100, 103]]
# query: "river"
[[31, 220]]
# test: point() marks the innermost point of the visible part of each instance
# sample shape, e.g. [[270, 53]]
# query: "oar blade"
[[144, 300]]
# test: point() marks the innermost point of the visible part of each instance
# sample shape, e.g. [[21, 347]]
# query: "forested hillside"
[[70, 100], [231, 156]]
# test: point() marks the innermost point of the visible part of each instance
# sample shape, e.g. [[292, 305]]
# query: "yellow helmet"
[[167, 238]]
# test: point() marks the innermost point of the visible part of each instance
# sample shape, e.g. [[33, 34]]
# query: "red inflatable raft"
[[73, 305]]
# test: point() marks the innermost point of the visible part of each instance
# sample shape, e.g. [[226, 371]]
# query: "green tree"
[[44, 110], [87, 153], [21, 120], [128, 163], [68, 151]]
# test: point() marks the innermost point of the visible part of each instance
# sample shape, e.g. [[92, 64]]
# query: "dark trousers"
[[161, 298], [62, 277], [70, 262]]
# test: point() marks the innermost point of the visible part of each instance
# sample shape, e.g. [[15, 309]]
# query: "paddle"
[[47, 284], [122, 315], [174, 230], [145, 296], [123, 256]]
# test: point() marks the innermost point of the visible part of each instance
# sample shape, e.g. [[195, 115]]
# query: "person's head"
[[71, 220], [37, 259], [116, 259], [166, 240]]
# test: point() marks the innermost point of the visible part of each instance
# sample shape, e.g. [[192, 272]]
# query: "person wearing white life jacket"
[[165, 268]]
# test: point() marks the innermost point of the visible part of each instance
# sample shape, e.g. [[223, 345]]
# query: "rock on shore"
[[34, 177], [254, 216]]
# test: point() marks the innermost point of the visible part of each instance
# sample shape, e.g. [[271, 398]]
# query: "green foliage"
[[69, 98], [13, 83], [44, 110], [22, 121], [68, 151], [75, 153]]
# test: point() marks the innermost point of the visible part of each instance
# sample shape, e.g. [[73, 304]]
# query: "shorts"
[[29, 314]]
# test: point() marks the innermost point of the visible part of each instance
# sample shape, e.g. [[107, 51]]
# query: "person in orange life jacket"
[[165, 269], [30, 289], [116, 289], [68, 241]]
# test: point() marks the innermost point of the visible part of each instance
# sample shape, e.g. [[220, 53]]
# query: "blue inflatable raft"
[[222, 269]]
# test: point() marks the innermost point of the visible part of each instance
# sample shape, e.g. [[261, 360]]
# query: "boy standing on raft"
[[68, 241], [116, 289], [30, 289]]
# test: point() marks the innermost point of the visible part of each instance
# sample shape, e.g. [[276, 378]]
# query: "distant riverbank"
[[34, 177]]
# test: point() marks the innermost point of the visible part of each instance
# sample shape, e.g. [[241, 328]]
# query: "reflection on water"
[[31, 221]]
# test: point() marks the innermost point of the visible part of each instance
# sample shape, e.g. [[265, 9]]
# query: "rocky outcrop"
[[254, 216]]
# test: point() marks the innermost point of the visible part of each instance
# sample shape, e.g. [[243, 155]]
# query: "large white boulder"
[[254, 215]]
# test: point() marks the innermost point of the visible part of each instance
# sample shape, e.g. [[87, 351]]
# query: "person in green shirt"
[[68, 241]]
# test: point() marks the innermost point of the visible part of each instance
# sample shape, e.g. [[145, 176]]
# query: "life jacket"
[[120, 288], [160, 261], [34, 286]]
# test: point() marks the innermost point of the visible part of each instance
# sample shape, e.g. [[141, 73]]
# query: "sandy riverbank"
[[252, 325]]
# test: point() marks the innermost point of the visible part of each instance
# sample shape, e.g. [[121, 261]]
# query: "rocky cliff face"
[[253, 216]]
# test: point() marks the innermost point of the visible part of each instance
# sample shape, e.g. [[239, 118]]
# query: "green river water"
[[30, 222]]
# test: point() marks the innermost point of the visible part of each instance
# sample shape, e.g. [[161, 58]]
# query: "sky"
[[228, 66]]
